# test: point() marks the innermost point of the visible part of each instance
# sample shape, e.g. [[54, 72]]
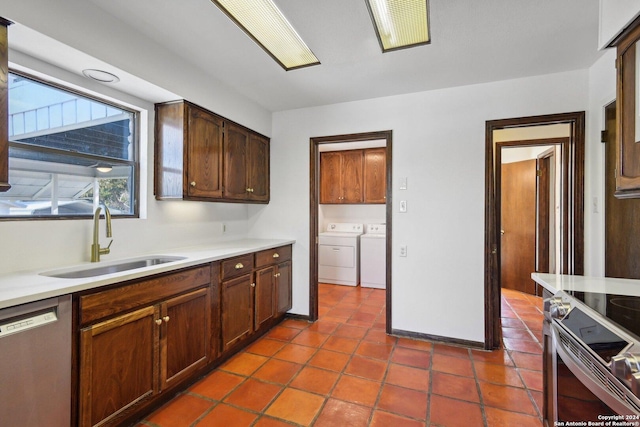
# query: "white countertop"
[[28, 286], [604, 285]]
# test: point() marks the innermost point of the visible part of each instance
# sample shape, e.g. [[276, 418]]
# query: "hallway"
[[343, 370]]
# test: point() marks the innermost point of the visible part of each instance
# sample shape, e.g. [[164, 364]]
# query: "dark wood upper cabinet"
[[202, 156], [375, 175], [4, 106], [628, 120], [330, 181], [341, 177], [258, 168], [353, 176]]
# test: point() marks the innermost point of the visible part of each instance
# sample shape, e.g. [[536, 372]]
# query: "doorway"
[[314, 210], [529, 206], [572, 211]]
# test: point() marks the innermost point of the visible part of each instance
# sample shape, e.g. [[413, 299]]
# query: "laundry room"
[[352, 214]]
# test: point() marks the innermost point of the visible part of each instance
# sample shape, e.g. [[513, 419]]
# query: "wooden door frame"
[[543, 204], [314, 199], [573, 244]]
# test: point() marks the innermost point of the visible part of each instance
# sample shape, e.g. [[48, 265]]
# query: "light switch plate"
[[403, 205], [403, 183]]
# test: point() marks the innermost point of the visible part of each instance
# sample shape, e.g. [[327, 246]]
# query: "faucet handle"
[[105, 251]]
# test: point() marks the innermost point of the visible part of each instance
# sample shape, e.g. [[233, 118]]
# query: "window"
[[68, 153]]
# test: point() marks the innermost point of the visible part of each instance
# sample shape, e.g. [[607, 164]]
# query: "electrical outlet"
[[403, 250]]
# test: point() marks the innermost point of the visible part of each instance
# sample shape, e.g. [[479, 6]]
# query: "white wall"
[[438, 143], [602, 91], [364, 214]]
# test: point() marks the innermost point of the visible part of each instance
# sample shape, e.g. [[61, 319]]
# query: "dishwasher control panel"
[[14, 326]]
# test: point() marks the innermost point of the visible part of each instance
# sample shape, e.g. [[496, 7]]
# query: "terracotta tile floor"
[[344, 370]]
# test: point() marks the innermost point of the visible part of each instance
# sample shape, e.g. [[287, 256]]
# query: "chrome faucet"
[[95, 247]]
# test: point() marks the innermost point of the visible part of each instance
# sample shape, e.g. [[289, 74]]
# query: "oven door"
[[583, 391]]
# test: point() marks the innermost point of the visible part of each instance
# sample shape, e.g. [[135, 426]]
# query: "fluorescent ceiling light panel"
[[265, 24], [400, 23]]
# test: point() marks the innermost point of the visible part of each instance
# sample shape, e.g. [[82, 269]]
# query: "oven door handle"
[[587, 378]]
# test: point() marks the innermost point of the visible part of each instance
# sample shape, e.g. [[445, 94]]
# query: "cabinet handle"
[[253, 285], [158, 322], [239, 266], [249, 190], [276, 255], [276, 275], [165, 318], [193, 183]]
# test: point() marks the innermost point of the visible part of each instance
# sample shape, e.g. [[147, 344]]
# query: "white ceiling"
[[473, 41]]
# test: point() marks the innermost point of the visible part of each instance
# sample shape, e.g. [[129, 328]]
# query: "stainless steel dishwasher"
[[35, 364]]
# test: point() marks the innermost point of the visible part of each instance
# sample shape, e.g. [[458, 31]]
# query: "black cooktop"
[[622, 310]]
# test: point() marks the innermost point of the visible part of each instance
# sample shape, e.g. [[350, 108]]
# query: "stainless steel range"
[[592, 358]]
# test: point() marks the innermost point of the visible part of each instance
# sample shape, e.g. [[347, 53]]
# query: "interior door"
[[545, 212], [518, 225]]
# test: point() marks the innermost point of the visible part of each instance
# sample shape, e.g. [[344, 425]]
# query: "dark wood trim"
[[573, 217], [437, 338], [543, 217], [298, 317], [4, 105], [314, 191]]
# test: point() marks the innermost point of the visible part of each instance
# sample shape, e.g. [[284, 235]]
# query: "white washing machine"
[[339, 254], [373, 257]]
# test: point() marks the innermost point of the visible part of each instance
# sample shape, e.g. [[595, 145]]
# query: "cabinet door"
[[118, 362], [283, 284], [258, 168], [4, 107], [237, 310], [265, 301], [375, 174], [236, 150], [352, 188], [628, 146], [204, 155], [330, 177], [185, 334]]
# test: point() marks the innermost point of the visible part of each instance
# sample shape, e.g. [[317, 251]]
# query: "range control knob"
[[558, 308], [626, 367], [547, 303]]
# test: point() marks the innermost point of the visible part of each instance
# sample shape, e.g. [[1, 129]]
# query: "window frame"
[[134, 163]]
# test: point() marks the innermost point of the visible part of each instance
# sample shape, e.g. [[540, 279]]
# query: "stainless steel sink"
[[111, 268]]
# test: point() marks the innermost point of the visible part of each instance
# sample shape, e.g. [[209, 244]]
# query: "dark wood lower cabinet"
[[118, 364], [283, 284], [237, 310], [265, 301], [185, 336], [140, 342]]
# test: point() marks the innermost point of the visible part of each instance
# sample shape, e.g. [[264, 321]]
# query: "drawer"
[[112, 301], [273, 256], [237, 266]]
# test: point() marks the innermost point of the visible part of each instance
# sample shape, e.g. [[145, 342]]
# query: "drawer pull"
[[165, 318], [158, 322], [276, 255], [239, 266], [193, 183]]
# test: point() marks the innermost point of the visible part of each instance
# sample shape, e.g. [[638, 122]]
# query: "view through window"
[[68, 153]]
